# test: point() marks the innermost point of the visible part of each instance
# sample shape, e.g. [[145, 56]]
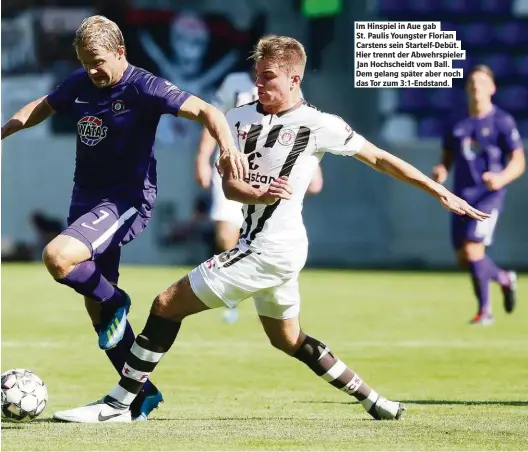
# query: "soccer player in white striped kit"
[[238, 88], [284, 138]]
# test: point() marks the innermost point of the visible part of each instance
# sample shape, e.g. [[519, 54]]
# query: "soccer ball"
[[24, 395]]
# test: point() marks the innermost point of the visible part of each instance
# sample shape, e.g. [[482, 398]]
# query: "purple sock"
[[496, 273], [481, 276], [119, 353], [86, 279]]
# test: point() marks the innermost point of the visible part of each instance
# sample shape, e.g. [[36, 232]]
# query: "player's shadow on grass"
[[467, 402], [442, 402], [224, 418]]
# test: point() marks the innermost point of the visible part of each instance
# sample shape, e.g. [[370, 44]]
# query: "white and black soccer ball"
[[24, 395]]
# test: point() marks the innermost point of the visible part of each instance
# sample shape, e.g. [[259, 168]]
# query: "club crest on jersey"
[[118, 106], [91, 130], [286, 137]]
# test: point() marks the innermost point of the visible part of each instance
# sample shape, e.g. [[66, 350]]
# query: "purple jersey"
[[480, 145], [116, 128]]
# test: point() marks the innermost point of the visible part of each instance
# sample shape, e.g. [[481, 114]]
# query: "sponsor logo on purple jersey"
[[91, 130]]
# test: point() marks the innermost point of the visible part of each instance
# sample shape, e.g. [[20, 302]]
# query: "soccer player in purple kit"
[[117, 107], [487, 154]]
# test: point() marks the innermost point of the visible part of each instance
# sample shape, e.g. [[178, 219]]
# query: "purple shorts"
[[104, 227], [465, 229]]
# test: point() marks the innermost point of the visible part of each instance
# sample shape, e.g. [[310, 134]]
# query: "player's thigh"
[[107, 226], [282, 301], [231, 277]]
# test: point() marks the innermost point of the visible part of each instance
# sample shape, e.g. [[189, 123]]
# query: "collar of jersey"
[[260, 109]]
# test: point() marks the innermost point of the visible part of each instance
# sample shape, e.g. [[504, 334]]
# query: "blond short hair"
[[98, 32], [287, 51], [484, 69]]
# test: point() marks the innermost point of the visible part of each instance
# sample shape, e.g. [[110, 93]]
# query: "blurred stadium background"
[[405, 332], [361, 219]]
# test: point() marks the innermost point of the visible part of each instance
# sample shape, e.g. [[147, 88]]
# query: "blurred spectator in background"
[[198, 229], [46, 227]]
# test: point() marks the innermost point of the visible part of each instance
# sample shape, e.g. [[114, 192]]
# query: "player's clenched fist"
[[494, 181], [234, 162]]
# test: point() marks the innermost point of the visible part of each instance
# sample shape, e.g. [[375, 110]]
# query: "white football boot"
[[95, 412], [385, 409]]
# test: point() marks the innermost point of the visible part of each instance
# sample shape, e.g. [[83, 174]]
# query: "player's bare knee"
[[163, 305], [472, 251], [288, 344], [62, 254], [177, 302], [56, 262]]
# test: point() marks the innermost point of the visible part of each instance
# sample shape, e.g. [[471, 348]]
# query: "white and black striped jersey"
[[291, 144]]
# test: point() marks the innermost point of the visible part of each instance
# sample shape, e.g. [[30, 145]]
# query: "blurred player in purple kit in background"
[[117, 108], [487, 154]]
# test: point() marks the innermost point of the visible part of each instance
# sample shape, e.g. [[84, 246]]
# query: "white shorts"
[[222, 208], [227, 279]]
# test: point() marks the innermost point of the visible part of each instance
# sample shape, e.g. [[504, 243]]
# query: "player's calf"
[[68, 261], [509, 291], [326, 365], [150, 346]]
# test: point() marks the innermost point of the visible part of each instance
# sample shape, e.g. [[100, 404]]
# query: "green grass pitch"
[[465, 387]]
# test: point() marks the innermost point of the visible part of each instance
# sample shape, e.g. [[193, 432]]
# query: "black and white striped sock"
[[318, 357], [150, 346]]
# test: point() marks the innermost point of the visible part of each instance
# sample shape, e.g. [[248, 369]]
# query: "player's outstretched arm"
[[32, 114], [387, 163], [211, 117]]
